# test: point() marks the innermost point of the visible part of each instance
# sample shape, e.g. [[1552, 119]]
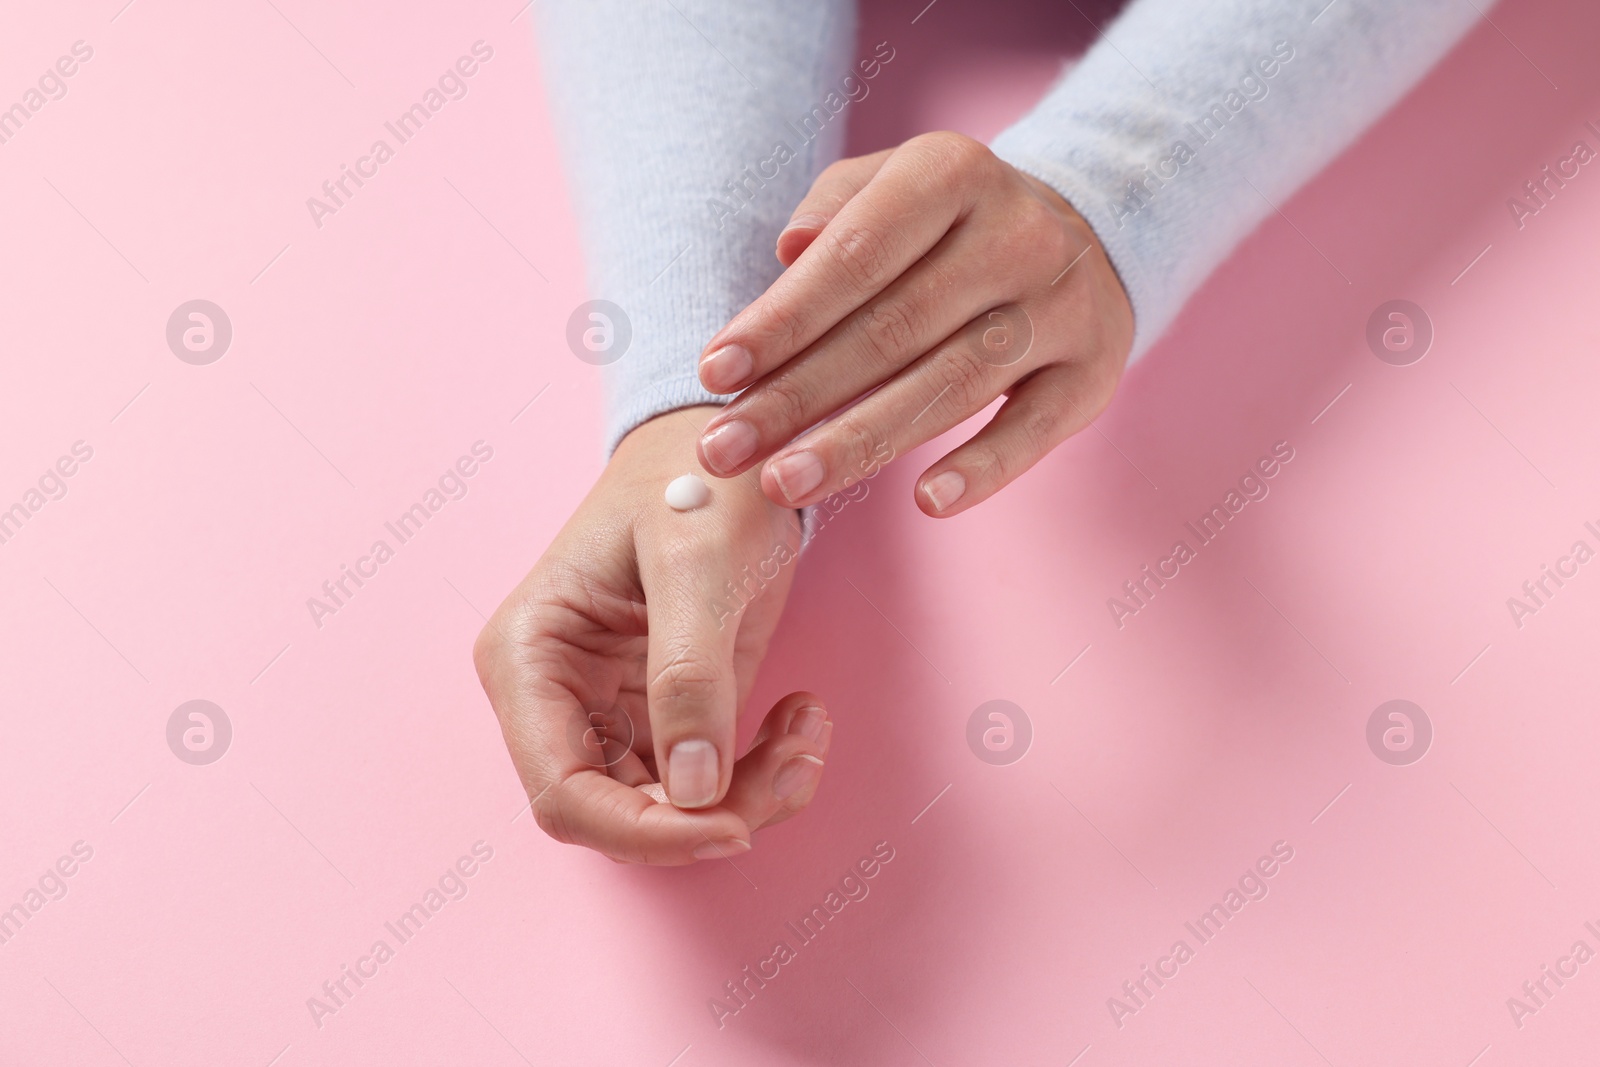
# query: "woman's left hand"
[[934, 277]]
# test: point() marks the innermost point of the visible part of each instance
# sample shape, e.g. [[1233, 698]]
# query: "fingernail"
[[716, 850], [944, 489], [692, 774], [796, 775], [729, 445], [725, 368], [797, 474], [808, 723], [805, 222], [825, 738]]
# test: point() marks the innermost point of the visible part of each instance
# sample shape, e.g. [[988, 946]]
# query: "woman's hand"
[[941, 277], [623, 659]]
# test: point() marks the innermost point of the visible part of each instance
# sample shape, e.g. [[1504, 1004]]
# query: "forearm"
[[690, 129], [1171, 137]]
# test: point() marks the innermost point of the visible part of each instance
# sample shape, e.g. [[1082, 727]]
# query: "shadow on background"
[[1262, 347]]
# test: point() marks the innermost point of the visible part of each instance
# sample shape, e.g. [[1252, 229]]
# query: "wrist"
[[665, 430], [1061, 206], [666, 444]]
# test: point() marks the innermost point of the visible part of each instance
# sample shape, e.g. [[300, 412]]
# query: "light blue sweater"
[[693, 127]]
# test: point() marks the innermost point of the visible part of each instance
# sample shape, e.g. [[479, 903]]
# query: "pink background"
[[373, 351]]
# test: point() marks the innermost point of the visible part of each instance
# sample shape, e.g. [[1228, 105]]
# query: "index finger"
[[592, 809], [901, 213], [577, 803]]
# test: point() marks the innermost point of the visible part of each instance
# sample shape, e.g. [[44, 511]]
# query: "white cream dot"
[[687, 492]]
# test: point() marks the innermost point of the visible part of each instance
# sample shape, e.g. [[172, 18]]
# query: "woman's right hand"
[[922, 283], [624, 658]]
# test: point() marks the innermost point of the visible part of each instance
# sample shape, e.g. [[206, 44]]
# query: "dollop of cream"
[[687, 492]]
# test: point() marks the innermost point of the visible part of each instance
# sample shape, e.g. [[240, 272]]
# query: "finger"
[[918, 310], [951, 383], [630, 769], [782, 715], [779, 775], [792, 803], [590, 809], [692, 688], [616, 740], [1039, 414], [902, 212], [540, 702], [833, 188]]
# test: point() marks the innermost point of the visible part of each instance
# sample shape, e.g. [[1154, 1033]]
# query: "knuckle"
[[968, 376], [853, 440], [785, 404], [834, 186], [890, 330], [984, 464], [688, 676], [837, 171], [783, 328], [955, 155], [1036, 429], [861, 254]]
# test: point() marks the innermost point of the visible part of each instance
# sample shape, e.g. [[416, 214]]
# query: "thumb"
[[691, 686], [834, 188]]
